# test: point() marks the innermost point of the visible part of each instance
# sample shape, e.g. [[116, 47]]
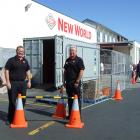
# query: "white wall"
[[135, 52], [101, 36], [36, 21], [12, 21], [17, 24]]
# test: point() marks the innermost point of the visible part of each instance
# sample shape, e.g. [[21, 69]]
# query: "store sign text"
[[73, 29]]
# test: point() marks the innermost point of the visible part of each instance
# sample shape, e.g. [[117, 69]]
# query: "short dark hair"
[[19, 47]]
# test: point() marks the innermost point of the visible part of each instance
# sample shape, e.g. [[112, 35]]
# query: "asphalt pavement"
[[109, 120]]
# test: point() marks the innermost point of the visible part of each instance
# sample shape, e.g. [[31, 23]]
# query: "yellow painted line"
[[31, 133]]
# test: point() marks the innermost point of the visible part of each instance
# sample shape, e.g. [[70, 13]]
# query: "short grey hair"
[[73, 46]]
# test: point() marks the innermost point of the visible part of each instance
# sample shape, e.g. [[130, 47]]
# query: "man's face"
[[20, 52], [73, 52]]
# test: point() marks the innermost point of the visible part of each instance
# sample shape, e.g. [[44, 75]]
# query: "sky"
[[122, 16]]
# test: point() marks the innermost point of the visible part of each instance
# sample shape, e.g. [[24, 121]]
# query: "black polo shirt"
[[17, 68], [72, 68]]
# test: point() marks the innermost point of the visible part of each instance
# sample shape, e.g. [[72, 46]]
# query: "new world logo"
[[50, 21]]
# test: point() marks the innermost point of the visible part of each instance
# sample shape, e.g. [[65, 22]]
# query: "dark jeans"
[[16, 87], [71, 91]]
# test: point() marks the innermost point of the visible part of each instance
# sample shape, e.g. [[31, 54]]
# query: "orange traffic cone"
[[133, 81], [75, 119], [118, 95], [19, 117], [60, 112]]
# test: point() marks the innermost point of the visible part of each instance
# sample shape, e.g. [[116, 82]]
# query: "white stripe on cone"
[[19, 105], [118, 86], [75, 105]]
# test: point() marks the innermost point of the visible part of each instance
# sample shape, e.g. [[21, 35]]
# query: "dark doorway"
[[48, 63]]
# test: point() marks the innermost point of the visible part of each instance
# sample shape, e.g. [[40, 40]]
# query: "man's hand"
[[4, 84], [64, 84], [76, 84], [8, 85], [29, 84]]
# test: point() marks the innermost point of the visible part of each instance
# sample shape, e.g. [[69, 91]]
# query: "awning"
[[115, 44]]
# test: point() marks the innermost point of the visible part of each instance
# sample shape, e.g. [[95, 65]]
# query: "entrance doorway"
[[48, 63]]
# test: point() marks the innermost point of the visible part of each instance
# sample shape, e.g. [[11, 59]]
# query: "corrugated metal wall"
[[5, 54]]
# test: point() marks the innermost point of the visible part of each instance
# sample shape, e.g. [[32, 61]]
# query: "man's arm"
[[81, 72], [64, 78], [7, 79], [79, 76], [28, 75]]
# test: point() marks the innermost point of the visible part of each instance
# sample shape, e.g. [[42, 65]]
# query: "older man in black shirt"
[[74, 68], [16, 71]]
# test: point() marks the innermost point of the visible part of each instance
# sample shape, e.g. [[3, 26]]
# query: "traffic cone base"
[[75, 119], [75, 126], [19, 126], [118, 96], [60, 112], [17, 120]]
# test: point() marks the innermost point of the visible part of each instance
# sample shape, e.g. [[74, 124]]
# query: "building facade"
[[135, 52], [105, 34], [28, 19], [108, 39]]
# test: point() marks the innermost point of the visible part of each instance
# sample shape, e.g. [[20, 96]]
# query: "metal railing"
[[115, 67]]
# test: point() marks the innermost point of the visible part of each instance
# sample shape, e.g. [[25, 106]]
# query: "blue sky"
[[122, 16]]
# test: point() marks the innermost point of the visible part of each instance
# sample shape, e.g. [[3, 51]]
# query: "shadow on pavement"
[[3, 116], [40, 112]]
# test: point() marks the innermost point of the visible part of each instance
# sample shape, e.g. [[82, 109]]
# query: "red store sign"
[[73, 29]]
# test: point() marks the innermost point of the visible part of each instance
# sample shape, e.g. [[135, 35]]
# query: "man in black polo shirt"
[[73, 72], [16, 71]]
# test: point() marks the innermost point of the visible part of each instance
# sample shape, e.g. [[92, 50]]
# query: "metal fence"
[[114, 66]]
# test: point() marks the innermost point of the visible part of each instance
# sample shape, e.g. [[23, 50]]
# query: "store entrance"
[[48, 63]]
